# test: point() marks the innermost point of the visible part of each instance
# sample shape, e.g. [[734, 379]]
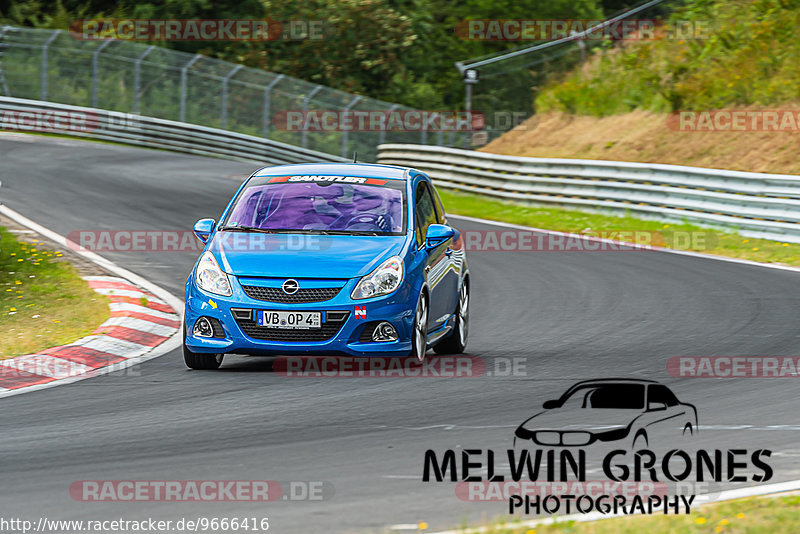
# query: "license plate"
[[289, 320]]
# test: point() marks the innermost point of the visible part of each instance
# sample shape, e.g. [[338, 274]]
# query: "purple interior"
[[310, 206]]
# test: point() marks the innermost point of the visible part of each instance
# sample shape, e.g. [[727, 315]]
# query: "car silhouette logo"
[[290, 286], [611, 409]]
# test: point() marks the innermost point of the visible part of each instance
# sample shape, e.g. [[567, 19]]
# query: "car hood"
[[581, 419], [302, 255]]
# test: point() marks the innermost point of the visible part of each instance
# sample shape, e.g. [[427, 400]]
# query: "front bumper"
[[241, 334]]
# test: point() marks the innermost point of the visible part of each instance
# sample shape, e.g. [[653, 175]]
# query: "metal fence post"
[[224, 111], [137, 75], [306, 100], [184, 72], [95, 74], [424, 133], [267, 103], [3, 30], [45, 47], [382, 133], [347, 108]]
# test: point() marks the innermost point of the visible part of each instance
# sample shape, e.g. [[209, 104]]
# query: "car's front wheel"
[[195, 360], [419, 334], [456, 342]]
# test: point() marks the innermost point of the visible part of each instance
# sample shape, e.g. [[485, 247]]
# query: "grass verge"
[[43, 300], [680, 236], [759, 515]]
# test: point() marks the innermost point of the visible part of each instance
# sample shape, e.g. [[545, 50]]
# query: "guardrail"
[[23, 115], [754, 204]]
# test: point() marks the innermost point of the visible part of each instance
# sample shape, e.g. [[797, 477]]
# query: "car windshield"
[[320, 204], [607, 396]]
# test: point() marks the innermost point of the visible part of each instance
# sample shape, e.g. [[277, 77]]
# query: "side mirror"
[[549, 405], [656, 406], [203, 228], [438, 234]]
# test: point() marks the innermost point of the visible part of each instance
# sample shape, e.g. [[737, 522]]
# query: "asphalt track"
[[570, 316]]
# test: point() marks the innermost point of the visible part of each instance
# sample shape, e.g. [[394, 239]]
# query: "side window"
[[660, 393], [425, 213], [441, 218]]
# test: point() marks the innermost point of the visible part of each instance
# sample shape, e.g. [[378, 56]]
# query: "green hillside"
[[749, 56]]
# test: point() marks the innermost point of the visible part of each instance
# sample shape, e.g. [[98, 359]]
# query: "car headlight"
[[382, 281], [210, 277]]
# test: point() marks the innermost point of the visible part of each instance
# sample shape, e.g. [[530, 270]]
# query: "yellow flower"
[[12, 309], [724, 522], [17, 282], [755, 248], [718, 529], [745, 241], [56, 321], [700, 520], [740, 515], [422, 525]]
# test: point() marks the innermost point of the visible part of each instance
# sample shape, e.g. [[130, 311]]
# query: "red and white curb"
[[139, 322], [145, 323]]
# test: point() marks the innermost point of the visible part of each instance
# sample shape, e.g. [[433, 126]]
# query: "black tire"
[[456, 341], [419, 329], [194, 360]]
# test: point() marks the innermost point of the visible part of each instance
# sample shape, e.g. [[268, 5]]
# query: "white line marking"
[[141, 325], [112, 345], [128, 307], [116, 292]]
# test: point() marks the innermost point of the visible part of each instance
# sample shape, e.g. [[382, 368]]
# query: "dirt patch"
[[642, 136]]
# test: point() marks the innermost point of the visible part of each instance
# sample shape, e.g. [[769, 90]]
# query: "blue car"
[[328, 259]]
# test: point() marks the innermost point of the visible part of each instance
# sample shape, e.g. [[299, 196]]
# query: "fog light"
[[384, 332], [203, 328]]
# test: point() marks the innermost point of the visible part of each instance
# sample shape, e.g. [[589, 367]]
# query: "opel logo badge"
[[290, 286]]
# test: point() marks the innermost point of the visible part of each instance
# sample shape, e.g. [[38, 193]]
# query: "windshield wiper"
[[245, 228], [241, 228]]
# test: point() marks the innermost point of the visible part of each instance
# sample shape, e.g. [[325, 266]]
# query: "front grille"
[[276, 294], [333, 323]]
